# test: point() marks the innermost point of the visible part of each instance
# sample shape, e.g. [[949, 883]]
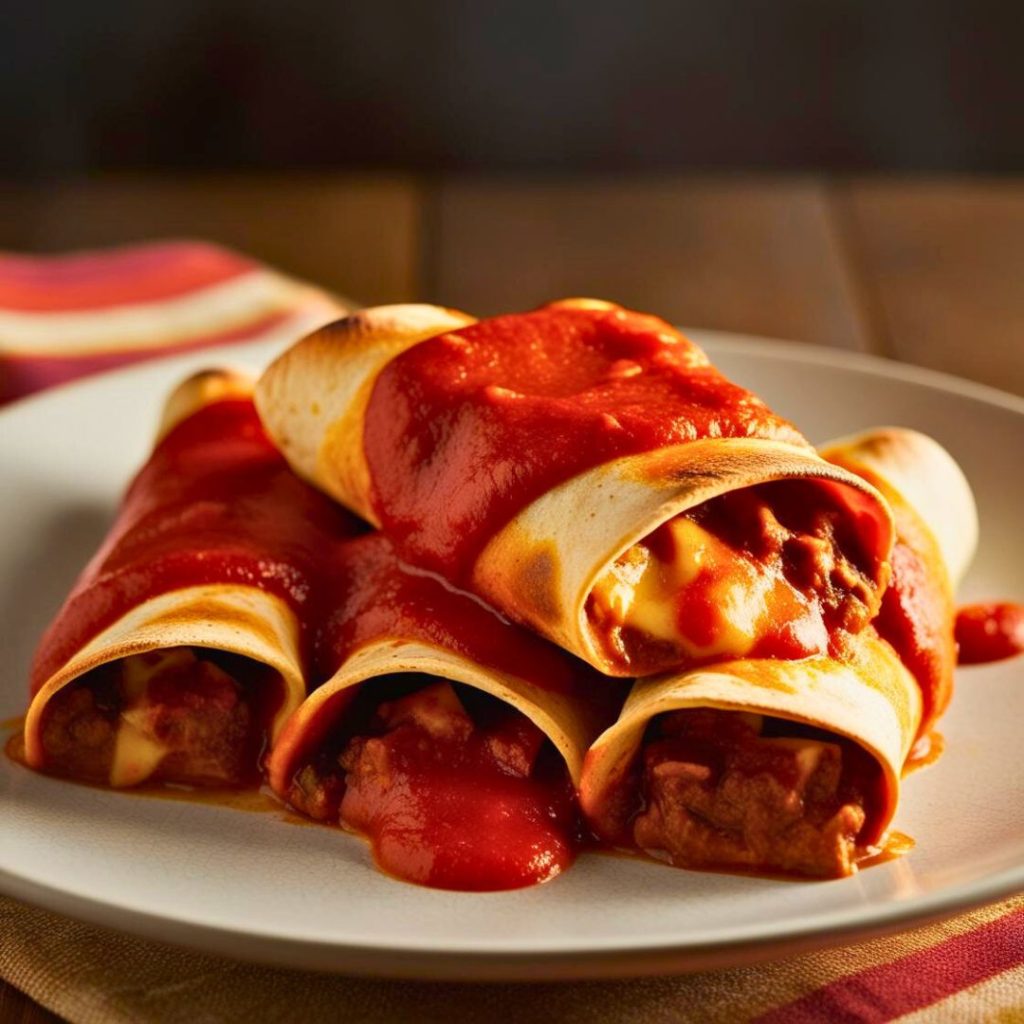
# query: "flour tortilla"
[[228, 617], [541, 567]]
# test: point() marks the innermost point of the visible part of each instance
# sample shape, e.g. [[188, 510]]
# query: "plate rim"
[[732, 948], [615, 957]]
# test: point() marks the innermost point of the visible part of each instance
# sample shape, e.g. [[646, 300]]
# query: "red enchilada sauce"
[[453, 788], [989, 632], [466, 429], [214, 504], [374, 596]]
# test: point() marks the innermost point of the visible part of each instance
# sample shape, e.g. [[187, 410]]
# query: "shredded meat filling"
[[453, 788], [719, 793], [430, 724], [168, 716], [769, 571]]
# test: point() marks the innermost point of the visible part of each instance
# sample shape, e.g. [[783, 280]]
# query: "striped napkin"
[[968, 969], [62, 317]]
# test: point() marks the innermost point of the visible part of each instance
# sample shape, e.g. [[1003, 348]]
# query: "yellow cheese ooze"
[[137, 752], [739, 598]]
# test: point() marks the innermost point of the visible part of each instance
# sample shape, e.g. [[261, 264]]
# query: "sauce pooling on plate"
[[989, 631]]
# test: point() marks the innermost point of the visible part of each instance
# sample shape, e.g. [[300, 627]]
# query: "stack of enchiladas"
[[491, 592]]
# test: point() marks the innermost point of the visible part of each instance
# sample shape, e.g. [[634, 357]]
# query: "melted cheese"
[[137, 752], [138, 671], [807, 755], [740, 597]]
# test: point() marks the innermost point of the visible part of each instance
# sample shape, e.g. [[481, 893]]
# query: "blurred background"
[[845, 173]]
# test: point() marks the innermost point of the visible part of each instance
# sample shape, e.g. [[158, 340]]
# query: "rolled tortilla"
[[761, 785], [313, 400], [531, 458], [918, 473], [181, 650], [936, 534], [733, 783], [463, 805]]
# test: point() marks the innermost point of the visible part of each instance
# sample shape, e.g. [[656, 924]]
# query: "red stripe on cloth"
[[23, 375], [913, 981], [97, 280]]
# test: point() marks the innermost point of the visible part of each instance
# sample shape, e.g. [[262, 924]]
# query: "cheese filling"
[[734, 578], [172, 715]]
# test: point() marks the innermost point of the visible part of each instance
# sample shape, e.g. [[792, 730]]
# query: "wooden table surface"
[[927, 270]]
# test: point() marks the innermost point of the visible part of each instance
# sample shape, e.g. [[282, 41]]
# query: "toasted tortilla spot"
[[539, 574], [340, 469], [227, 614]]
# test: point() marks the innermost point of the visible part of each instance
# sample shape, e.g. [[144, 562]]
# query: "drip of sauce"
[[991, 631], [467, 827], [452, 790], [14, 748], [895, 845], [926, 751]]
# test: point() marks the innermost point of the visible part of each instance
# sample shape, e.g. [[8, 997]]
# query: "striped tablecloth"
[[65, 316], [62, 317], [968, 969]]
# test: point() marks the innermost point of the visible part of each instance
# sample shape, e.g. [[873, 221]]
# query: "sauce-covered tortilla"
[[579, 467]]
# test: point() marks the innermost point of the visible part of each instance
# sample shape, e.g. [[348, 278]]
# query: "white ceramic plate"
[[250, 885]]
